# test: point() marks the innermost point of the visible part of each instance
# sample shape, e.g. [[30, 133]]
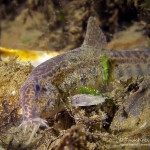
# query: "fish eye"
[[37, 87]]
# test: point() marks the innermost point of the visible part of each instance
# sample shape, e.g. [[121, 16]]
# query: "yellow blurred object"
[[35, 57]]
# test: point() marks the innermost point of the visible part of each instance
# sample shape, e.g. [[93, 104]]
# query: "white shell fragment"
[[86, 100], [13, 92]]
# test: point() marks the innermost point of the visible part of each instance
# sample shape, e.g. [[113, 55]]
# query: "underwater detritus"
[[105, 64], [87, 90], [86, 100]]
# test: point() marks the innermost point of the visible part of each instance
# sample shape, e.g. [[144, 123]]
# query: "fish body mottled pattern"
[[131, 63], [83, 68], [51, 83]]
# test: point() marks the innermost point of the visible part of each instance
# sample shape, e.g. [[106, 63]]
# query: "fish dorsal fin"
[[94, 37]]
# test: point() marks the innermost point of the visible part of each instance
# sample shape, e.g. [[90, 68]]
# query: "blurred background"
[[36, 30], [57, 26]]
